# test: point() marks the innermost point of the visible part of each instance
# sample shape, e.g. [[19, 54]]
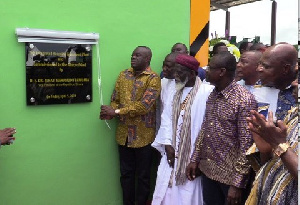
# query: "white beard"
[[180, 85]]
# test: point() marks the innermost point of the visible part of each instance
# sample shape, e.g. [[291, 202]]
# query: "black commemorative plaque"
[[58, 73]]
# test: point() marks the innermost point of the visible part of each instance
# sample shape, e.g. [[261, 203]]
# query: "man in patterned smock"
[[276, 180], [133, 102], [224, 137], [277, 70]]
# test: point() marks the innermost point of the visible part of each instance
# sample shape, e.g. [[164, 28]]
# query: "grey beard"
[[180, 85]]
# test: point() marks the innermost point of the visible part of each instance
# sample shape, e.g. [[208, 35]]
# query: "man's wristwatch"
[[281, 148], [117, 111]]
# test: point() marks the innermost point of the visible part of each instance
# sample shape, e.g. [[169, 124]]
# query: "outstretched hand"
[[266, 129], [6, 135]]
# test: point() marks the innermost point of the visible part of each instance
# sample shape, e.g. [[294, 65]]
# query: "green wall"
[[64, 154]]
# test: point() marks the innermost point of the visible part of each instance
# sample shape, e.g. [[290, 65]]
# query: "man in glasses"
[[224, 137]]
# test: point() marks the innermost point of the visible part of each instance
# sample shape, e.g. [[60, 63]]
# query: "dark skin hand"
[[274, 135], [234, 196], [264, 148], [266, 129], [170, 155], [190, 170], [6, 135], [107, 112]]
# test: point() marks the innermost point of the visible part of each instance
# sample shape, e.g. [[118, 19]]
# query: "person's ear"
[[222, 71], [287, 68], [148, 59]]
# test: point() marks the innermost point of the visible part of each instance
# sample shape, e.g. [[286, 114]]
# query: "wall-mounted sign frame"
[[58, 65]]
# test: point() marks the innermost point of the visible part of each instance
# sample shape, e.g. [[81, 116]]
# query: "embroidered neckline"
[[183, 104]]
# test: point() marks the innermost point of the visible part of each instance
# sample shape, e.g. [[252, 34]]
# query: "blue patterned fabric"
[[285, 102]]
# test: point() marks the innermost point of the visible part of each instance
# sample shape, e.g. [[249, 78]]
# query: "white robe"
[[167, 90], [164, 134], [190, 192]]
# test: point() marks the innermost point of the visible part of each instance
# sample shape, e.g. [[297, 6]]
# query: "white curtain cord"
[[99, 80]]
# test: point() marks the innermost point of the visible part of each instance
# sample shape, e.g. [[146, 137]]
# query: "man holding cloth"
[[133, 102]]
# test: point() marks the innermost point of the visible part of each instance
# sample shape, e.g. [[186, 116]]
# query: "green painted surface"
[[63, 153]]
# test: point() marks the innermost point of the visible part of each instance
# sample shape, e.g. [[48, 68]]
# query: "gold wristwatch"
[[281, 148]]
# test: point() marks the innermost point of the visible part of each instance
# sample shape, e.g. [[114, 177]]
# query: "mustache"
[[180, 85]]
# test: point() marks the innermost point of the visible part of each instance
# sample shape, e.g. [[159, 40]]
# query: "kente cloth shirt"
[[285, 102], [225, 137], [273, 183], [275, 100], [136, 97]]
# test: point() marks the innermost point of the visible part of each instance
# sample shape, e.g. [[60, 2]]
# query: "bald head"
[[284, 53], [278, 65]]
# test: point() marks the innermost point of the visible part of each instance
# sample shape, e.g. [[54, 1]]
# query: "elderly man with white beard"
[[181, 122]]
